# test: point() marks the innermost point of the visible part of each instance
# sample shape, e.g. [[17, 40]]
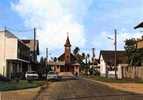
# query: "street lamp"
[[115, 45]]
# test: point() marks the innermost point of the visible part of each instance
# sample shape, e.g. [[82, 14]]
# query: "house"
[[14, 54], [139, 43], [66, 61], [107, 65]]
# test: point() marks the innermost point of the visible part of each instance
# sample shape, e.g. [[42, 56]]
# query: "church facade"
[[66, 62]]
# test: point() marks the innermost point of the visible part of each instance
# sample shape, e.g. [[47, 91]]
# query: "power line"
[[16, 30], [21, 30]]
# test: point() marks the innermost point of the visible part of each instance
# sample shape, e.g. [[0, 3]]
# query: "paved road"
[[84, 90]]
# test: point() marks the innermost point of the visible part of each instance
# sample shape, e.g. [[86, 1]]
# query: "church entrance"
[[67, 68]]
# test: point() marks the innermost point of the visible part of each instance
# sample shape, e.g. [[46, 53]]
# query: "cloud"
[[102, 41], [54, 18]]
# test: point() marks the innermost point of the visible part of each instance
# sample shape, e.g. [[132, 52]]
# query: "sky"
[[88, 22]]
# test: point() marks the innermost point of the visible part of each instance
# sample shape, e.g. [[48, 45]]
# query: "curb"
[[42, 88]]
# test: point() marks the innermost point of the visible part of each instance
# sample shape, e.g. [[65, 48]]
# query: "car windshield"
[[51, 73], [31, 72]]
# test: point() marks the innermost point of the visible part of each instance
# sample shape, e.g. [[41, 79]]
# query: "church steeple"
[[67, 44], [67, 50]]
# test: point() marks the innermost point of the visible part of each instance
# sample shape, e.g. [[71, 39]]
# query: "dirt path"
[[84, 90]]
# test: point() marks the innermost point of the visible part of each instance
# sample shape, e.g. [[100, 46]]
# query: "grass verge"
[[113, 80], [22, 84]]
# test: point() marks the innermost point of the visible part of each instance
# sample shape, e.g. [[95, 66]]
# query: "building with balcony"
[[14, 54]]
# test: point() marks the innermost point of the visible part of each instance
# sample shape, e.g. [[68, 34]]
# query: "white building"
[[107, 59], [14, 54]]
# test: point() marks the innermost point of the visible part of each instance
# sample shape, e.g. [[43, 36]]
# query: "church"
[[66, 62]]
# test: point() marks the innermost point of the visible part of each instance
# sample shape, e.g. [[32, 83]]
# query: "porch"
[[16, 66]]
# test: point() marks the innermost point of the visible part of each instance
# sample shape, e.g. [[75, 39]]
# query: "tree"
[[134, 54], [83, 55], [41, 60], [82, 63], [80, 57], [77, 55], [76, 51], [88, 58], [87, 62], [55, 59], [88, 55], [41, 67]]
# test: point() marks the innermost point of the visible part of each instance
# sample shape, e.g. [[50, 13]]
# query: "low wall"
[[134, 72]]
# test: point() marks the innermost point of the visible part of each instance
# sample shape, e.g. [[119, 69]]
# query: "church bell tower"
[[67, 51]]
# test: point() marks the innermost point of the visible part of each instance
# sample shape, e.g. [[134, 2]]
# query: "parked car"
[[52, 76], [31, 75]]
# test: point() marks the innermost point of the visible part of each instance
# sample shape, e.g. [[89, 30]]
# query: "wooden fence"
[[134, 72]]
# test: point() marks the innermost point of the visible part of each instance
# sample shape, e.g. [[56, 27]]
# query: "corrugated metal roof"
[[109, 57]]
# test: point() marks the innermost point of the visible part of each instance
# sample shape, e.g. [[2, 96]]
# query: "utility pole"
[[46, 61], [93, 52], [115, 63], [47, 53], [34, 48], [93, 56]]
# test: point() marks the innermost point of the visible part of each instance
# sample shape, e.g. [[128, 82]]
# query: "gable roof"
[[62, 57], [9, 34], [109, 57]]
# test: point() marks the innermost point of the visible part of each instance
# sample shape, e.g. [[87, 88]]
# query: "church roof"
[[62, 57], [67, 44], [57, 63], [61, 63]]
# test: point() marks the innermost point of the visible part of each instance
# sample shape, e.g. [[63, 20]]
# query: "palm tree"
[[55, 59], [83, 55], [88, 58], [88, 55], [76, 50], [87, 62]]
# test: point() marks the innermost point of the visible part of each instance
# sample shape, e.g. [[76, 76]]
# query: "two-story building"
[[14, 54]]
